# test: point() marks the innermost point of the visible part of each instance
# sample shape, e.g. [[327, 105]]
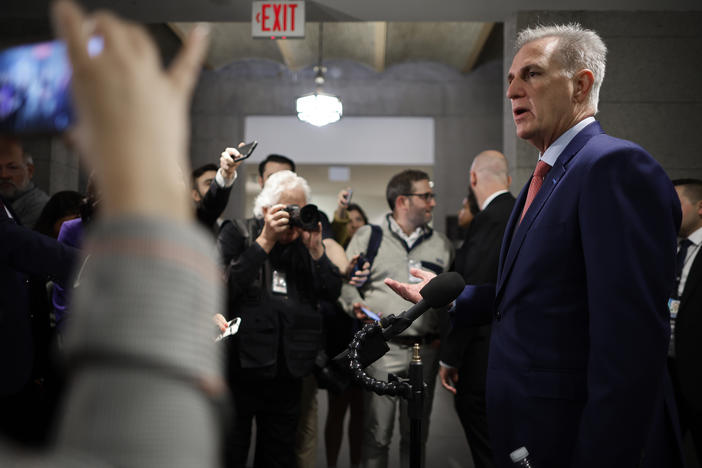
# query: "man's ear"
[[582, 85], [473, 178], [699, 208], [196, 195], [30, 170]]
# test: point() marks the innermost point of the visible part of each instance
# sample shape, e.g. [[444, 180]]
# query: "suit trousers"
[[690, 420], [275, 404], [470, 395], [306, 443], [380, 411]]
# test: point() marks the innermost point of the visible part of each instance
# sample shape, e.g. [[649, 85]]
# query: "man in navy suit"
[[577, 361], [22, 253]]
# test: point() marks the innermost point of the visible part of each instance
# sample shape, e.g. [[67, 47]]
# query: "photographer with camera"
[[277, 271]]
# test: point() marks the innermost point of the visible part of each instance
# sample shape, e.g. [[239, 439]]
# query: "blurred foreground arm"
[[142, 365]]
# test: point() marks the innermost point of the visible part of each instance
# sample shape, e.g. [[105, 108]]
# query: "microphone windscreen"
[[443, 289]]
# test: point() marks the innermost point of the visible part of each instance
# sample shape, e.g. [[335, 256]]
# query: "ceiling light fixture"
[[319, 108]]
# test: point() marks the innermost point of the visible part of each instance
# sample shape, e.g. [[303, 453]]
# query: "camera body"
[[307, 218]]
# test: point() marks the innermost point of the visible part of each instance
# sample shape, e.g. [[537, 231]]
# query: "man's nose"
[[513, 89]]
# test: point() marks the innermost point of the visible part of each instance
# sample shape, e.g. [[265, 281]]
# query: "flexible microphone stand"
[[412, 389]]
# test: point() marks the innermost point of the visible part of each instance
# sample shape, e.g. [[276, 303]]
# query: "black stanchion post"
[[416, 407]]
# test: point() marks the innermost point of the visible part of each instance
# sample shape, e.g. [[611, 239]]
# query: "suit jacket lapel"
[[511, 222], [513, 243]]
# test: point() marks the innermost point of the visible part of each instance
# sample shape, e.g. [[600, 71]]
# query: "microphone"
[[438, 292]]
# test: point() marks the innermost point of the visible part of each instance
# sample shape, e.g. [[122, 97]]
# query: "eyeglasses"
[[426, 196]]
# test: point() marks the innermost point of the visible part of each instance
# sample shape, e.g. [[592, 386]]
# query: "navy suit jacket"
[[23, 253], [577, 358], [212, 205]]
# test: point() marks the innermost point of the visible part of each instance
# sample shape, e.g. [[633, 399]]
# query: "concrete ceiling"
[[161, 11], [375, 44]]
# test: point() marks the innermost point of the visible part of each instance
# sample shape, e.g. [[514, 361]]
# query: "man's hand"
[[410, 291], [220, 321], [276, 224], [313, 241], [342, 202], [359, 313], [359, 278], [132, 115], [228, 163], [448, 376]]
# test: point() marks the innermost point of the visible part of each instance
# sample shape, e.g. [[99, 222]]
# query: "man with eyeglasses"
[[407, 242]]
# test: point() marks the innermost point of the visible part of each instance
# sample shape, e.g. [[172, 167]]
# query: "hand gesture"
[[132, 115], [410, 291], [448, 376]]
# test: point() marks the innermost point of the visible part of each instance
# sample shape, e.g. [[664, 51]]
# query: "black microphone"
[[438, 292]]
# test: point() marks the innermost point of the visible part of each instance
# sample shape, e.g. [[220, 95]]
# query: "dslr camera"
[[306, 217]]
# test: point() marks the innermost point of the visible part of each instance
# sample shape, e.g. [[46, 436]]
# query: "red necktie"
[[537, 181]]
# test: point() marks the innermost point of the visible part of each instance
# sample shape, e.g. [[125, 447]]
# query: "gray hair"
[[274, 188], [578, 48]]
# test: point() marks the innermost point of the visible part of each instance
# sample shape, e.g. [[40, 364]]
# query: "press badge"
[[413, 264], [280, 285], [673, 306]]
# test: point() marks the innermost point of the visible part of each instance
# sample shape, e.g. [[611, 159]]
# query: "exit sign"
[[278, 20]]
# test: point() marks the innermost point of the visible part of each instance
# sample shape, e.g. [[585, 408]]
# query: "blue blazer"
[[23, 253], [577, 362]]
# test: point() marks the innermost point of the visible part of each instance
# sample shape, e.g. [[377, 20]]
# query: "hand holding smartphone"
[[370, 314], [246, 151], [232, 328]]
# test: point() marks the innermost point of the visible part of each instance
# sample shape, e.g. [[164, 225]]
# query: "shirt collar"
[[696, 237], [550, 156], [491, 198], [412, 238]]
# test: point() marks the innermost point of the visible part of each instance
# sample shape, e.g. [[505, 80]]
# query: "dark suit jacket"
[[688, 337], [477, 261], [213, 204], [22, 253], [578, 349]]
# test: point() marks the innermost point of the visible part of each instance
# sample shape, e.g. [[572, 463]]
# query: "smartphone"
[[232, 328], [370, 314], [348, 197], [359, 263], [35, 84], [246, 150]]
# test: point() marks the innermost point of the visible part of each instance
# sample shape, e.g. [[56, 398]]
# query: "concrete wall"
[[467, 110], [648, 95]]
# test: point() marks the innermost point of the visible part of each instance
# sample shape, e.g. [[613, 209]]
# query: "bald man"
[[465, 349]]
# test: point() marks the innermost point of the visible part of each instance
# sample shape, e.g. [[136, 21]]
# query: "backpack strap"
[[376, 238]]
